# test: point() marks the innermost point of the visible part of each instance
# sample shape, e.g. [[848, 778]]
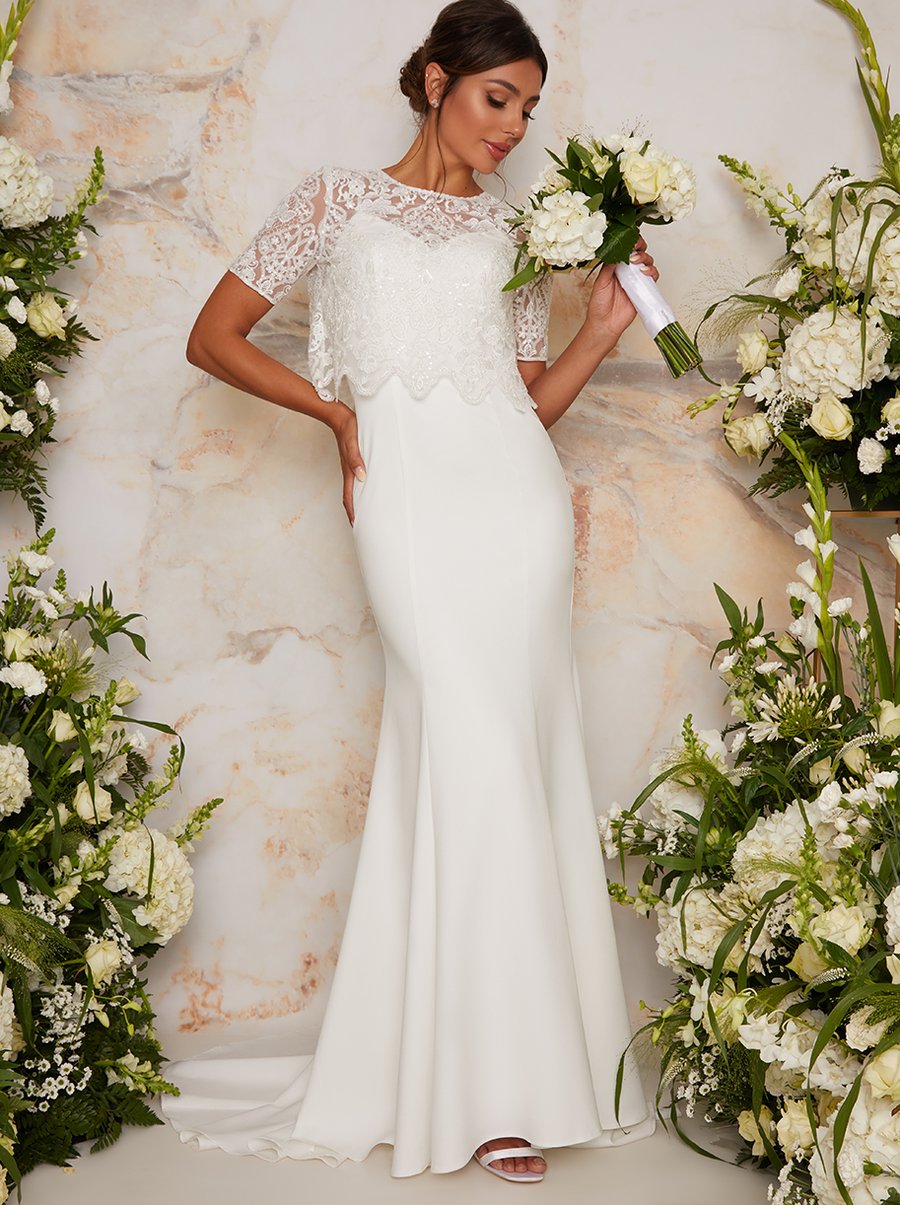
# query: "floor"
[[150, 1165]]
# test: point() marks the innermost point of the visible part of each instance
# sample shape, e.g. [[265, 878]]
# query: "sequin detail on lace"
[[402, 281]]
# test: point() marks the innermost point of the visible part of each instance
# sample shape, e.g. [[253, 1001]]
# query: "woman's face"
[[485, 116]]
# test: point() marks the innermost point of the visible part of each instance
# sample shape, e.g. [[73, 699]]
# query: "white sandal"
[[512, 1152]]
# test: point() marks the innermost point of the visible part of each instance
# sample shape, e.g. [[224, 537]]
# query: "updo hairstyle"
[[467, 37]]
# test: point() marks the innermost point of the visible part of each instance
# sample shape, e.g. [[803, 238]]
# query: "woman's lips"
[[498, 150]]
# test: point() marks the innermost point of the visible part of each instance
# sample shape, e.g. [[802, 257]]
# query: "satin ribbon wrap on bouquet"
[[587, 210]]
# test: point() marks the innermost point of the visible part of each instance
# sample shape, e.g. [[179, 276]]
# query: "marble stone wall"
[[218, 516]]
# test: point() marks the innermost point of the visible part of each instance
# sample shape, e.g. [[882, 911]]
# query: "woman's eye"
[[501, 104]]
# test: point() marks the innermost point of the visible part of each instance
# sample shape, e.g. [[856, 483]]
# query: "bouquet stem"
[[679, 352]]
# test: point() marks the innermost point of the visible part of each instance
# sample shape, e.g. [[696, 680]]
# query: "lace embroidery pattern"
[[402, 281]]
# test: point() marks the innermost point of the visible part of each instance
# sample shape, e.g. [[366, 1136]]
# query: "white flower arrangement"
[[830, 320], [771, 862]]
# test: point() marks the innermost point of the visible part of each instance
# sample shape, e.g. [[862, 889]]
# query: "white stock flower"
[[26, 194], [562, 231], [823, 356], [892, 916], [752, 350], [35, 562], [871, 455], [15, 785], [21, 675]]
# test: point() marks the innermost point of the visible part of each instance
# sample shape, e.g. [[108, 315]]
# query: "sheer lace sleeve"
[[289, 242], [531, 312]]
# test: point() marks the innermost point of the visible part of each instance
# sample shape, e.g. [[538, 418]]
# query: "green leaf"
[[730, 607], [528, 273], [883, 668]]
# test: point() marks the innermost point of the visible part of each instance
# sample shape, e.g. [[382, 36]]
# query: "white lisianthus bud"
[[126, 691], [830, 418], [752, 351], [85, 807], [750, 435]]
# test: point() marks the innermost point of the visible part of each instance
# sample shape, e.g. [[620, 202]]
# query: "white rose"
[[888, 721], [8, 342], [749, 1127], [830, 418], [750, 435], [644, 174], [17, 644], [787, 284], [752, 351], [844, 925], [104, 958], [890, 411], [85, 808], [45, 317], [821, 771], [793, 1128], [882, 1073], [15, 307], [61, 727], [807, 963], [871, 455]]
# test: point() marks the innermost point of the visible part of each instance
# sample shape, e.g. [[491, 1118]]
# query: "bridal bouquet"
[[772, 864], [587, 210], [90, 888], [39, 328], [819, 339]]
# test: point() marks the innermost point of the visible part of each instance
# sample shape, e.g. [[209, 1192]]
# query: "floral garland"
[[820, 353], [772, 866]]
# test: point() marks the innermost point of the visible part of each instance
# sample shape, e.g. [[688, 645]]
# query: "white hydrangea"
[[853, 248], [26, 194], [873, 1138], [678, 194], [815, 224], [705, 925], [562, 231], [25, 677], [15, 786], [871, 455], [823, 355], [172, 890], [779, 837], [549, 181]]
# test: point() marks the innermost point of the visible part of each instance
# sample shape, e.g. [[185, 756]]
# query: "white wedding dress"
[[477, 992]]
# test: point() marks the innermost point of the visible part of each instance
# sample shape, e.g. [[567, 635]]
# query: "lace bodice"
[[402, 280]]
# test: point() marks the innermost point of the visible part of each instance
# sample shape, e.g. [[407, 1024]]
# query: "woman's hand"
[[609, 309], [345, 432]]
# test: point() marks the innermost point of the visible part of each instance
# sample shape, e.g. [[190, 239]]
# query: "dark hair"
[[467, 37]]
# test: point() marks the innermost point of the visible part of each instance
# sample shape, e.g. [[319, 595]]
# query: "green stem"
[[678, 350]]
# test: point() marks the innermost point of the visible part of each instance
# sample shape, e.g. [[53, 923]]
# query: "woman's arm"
[[218, 345], [609, 313]]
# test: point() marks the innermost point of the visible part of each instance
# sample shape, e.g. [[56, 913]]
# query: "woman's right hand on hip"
[[345, 432]]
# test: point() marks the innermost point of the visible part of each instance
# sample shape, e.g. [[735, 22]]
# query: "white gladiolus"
[[894, 545], [807, 538]]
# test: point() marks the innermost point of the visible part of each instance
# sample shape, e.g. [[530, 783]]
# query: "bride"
[[477, 992]]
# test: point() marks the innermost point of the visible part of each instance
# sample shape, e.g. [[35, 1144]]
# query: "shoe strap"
[[510, 1152]]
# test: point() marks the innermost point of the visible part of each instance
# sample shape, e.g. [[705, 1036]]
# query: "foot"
[[531, 1163]]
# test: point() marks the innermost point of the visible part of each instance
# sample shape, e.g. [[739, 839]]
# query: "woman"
[[477, 989]]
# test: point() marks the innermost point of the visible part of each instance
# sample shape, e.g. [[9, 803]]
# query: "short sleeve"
[[531, 313], [289, 242]]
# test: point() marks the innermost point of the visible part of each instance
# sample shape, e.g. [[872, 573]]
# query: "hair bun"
[[412, 80]]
